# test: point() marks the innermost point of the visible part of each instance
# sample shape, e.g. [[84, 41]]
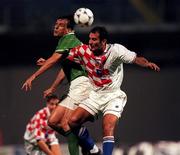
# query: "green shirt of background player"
[[64, 29]]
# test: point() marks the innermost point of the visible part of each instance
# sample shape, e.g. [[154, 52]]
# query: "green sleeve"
[[66, 43]]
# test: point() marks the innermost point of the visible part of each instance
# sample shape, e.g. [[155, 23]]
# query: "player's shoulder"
[[43, 110], [117, 49], [118, 45], [85, 46], [82, 47]]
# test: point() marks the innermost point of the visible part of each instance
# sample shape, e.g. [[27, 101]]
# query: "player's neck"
[[100, 51], [69, 31]]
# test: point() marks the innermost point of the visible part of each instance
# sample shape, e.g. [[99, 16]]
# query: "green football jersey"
[[72, 70]]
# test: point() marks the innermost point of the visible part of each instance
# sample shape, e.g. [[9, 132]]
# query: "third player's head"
[[63, 25], [97, 40], [52, 102]]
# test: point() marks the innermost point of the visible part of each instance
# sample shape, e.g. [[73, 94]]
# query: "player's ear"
[[104, 41]]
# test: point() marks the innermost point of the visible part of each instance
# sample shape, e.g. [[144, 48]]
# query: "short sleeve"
[[124, 54], [52, 138], [66, 43]]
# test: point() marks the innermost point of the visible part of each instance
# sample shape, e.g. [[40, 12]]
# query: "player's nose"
[[90, 42]]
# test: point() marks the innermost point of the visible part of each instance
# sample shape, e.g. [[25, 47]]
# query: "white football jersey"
[[118, 55]]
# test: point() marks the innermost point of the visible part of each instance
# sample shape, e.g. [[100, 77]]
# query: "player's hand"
[[48, 92], [40, 61], [153, 66], [28, 83]]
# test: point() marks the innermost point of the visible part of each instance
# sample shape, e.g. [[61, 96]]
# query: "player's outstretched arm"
[[55, 84], [141, 61], [48, 63]]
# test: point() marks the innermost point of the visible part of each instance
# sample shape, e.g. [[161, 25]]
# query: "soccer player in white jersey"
[[39, 138], [104, 64]]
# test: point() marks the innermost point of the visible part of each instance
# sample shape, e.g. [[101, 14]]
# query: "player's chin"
[[92, 48], [55, 34]]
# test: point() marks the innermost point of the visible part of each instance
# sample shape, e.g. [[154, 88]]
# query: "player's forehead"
[[94, 35], [62, 21], [53, 101]]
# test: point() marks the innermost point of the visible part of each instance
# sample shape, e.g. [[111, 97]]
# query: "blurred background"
[[150, 28]]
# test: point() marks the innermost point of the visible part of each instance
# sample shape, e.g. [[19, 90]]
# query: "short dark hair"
[[51, 96], [71, 22], [103, 33]]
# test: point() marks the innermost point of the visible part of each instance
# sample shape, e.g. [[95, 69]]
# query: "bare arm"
[[56, 149], [44, 147], [48, 63], [55, 84], [143, 62]]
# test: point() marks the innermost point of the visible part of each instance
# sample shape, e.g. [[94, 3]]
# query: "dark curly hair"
[[51, 96], [71, 22], [103, 33]]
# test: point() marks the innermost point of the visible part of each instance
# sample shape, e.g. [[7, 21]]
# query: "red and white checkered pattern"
[[37, 128], [93, 64]]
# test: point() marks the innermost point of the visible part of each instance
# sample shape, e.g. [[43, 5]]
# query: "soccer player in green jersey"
[[79, 84]]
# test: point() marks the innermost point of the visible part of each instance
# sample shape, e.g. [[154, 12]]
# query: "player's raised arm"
[[48, 63], [141, 61]]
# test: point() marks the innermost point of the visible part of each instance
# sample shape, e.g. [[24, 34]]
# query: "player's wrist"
[[34, 76], [53, 88], [148, 64]]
